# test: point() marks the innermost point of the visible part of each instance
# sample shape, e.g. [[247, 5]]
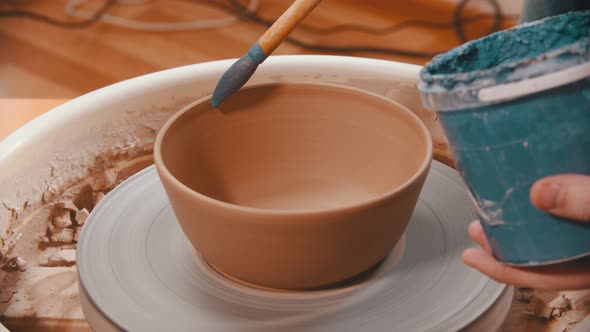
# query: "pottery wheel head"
[[138, 272]]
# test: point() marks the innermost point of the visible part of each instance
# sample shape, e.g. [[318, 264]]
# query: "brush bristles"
[[233, 79]]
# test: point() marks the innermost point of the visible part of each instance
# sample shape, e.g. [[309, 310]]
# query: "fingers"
[[566, 196], [566, 276], [478, 236], [563, 195]]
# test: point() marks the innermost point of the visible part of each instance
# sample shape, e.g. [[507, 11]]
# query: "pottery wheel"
[[138, 272]]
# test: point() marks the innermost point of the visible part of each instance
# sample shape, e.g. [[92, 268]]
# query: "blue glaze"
[[257, 54], [503, 146], [494, 59], [238, 74]]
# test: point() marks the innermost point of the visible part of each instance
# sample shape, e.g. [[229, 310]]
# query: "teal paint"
[[518, 134], [493, 59], [257, 54], [238, 74]]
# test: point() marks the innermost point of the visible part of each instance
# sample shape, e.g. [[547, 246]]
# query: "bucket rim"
[[482, 87]]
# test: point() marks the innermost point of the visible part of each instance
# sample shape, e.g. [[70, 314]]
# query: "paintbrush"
[[241, 71]]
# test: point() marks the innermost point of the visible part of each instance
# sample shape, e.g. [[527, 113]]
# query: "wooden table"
[[42, 61], [15, 112]]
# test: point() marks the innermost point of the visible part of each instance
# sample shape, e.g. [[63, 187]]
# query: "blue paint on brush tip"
[[238, 74], [256, 53]]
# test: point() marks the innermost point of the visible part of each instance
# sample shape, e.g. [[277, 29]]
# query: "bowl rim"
[[163, 170]]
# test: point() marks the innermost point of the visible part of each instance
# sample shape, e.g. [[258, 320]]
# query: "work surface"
[[38, 60]]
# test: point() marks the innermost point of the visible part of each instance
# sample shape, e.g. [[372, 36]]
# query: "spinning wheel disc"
[[138, 272]]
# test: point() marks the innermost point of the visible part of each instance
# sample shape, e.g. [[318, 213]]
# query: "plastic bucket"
[[515, 107]]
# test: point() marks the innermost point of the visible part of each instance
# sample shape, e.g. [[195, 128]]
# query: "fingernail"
[[548, 196]]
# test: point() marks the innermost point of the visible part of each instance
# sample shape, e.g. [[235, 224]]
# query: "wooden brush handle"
[[285, 24]]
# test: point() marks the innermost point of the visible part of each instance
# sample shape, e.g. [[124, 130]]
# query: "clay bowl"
[[294, 186]]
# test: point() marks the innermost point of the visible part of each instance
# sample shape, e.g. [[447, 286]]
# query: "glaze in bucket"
[[515, 107]]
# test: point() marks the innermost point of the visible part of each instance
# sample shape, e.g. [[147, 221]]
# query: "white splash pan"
[[104, 118], [125, 117]]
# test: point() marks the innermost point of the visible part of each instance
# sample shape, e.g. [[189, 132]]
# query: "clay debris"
[[568, 307], [61, 235], [71, 211], [15, 264], [61, 218], [49, 211], [82, 215], [106, 180], [549, 305], [65, 257], [8, 261]]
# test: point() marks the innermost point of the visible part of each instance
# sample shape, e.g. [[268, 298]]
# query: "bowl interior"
[[295, 147]]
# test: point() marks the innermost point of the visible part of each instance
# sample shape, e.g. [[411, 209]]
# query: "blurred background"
[[65, 48]]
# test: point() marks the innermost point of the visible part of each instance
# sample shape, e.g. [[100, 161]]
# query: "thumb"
[[567, 196]]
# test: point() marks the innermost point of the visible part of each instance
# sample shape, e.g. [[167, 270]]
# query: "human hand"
[[566, 196]]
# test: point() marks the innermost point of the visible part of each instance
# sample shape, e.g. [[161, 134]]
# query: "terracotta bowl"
[[294, 186]]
